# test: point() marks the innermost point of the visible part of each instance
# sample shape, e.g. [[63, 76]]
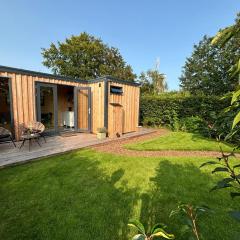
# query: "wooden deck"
[[54, 145]]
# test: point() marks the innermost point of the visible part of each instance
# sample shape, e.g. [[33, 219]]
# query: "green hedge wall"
[[165, 109]]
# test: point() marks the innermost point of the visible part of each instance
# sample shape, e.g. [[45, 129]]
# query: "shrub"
[[174, 110], [102, 130], [195, 124]]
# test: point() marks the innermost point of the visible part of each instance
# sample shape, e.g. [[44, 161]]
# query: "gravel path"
[[117, 147]]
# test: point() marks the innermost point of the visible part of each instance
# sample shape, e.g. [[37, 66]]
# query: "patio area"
[[54, 145]]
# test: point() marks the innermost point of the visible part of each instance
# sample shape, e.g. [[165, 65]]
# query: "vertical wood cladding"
[[124, 108], [123, 116]]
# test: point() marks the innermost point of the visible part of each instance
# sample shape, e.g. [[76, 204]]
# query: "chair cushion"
[[4, 136]]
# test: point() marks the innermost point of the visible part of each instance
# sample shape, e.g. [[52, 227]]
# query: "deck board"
[[55, 145]]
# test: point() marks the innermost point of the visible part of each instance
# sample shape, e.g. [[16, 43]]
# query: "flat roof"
[[70, 79]]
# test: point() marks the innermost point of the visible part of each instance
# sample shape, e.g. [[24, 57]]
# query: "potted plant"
[[102, 133]]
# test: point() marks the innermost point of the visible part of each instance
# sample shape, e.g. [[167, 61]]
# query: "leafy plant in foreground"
[[222, 39], [233, 176], [156, 231], [190, 215]]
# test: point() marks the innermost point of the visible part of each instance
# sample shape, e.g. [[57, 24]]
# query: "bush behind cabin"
[[193, 113]]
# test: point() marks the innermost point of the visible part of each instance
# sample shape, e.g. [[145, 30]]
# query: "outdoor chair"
[[37, 127], [28, 134], [6, 135]]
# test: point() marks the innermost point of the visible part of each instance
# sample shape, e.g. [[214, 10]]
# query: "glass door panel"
[[46, 102], [5, 109]]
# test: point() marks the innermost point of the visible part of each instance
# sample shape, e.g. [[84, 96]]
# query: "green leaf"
[[191, 237], [221, 185], [209, 163], [223, 36], [234, 194], [220, 169], [235, 69], [225, 180], [236, 120], [157, 226], [238, 176], [227, 109], [202, 209], [236, 166], [157, 230], [235, 96], [235, 215], [226, 96], [230, 135], [162, 233], [139, 237], [185, 228], [189, 222], [137, 225], [174, 212]]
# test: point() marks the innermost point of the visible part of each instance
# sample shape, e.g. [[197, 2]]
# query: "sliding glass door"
[[58, 110], [5, 101], [47, 106]]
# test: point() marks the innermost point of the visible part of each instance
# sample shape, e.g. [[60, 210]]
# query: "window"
[[116, 90], [5, 109]]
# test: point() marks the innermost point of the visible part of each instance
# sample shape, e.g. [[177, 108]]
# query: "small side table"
[[29, 137]]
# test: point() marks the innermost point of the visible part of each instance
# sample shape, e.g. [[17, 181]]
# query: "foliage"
[[146, 84], [169, 109], [222, 127], [102, 130], [206, 71], [223, 38], [86, 57], [153, 82], [180, 141], [194, 124], [158, 230], [190, 215], [232, 181]]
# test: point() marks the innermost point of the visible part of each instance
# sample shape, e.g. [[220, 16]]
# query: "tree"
[[146, 85], [206, 71], [223, 37], [153, 82], [86, 57]]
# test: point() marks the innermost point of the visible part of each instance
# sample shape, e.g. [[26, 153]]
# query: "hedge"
[[163, 109]]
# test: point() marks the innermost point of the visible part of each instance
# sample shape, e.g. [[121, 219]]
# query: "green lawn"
[[180, 141], [88, 195]]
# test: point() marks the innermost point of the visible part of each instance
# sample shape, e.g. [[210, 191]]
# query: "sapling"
[[158, 230], [190, 214]]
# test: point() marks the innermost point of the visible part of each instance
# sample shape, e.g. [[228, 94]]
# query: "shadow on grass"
[[68, 197], [176, 183]]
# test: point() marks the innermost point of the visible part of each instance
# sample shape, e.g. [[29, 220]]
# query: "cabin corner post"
[[139, 113]]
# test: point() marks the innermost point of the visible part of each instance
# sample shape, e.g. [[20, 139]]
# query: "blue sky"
[[143, 30]]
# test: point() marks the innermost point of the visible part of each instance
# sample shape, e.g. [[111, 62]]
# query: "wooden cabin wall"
[[24, 105], [23, 96], [129, 112]]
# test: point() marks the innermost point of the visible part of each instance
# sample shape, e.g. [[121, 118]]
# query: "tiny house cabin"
[[67, 104]]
